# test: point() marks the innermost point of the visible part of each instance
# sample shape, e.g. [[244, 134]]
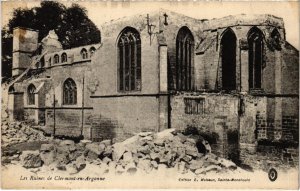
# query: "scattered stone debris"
[[19, 132], [31, 159], [144, 152]]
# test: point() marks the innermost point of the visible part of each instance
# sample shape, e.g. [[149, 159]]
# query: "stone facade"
[[179, 87]]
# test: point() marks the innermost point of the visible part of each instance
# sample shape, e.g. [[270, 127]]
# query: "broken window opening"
[[129, 52], [276, 39], [11, 89], [184, 59], [31, 94], [69, 92], [228, 54], [256, 48]]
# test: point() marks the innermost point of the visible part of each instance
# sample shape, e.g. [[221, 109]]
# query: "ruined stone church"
[[162, 70]]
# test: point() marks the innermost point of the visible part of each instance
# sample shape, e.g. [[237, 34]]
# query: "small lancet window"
[[256, 57], [11, 89], [84, 53], [64, 58], [276, 39], [49, 61], [92, 50], [31, 94], [56, 59]]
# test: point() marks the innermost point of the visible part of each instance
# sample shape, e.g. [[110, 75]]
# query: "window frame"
[[64, 57], [56, 59], [31, 91], [70, 96], [194, 105], [228, 83], [129, 54], [92, 50], [185, 43], [255, 35], [84, 54]]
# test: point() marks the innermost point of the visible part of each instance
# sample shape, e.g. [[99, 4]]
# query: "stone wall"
[[105, 59], [68, 122], [30, 115], [25, 42], [266, 140], [218, 119], [122, 117], [114, 114], [15, 106], [209, 59], [290, 70], [264, 157]]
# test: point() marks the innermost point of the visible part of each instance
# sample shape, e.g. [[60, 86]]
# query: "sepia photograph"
[[150, 94]]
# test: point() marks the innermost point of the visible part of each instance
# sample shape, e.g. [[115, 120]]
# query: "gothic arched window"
[[276, 39], [11, 89], [64, 58], [31, 94], [92, 50], [69, 92], [129, 60], [49, 61], [228, 54], [56, 59], [184, 59], [256, 57], [84, 53]]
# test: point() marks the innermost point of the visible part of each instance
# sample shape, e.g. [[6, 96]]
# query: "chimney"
[[25, 42]]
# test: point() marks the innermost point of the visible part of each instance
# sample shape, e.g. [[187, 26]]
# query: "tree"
[[71, 24], [6, 53]]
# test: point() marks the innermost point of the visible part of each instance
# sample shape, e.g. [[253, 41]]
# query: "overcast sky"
[[103, 11]]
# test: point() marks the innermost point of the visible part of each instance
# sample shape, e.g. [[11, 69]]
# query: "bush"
[[211, 137], [190, 131]]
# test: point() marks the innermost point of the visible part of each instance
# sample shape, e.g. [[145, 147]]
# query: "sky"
[[102, 11]]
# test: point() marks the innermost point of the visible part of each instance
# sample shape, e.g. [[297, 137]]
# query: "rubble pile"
[[18, 132], [144, 152]]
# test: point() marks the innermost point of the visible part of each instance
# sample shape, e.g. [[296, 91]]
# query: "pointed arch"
[[11, 89], [31, 94], [276, 39], [84, 53], [184, 59], [64, 57], [49, 61], [275, 33], [256, 57], [69, 92], [129, 60], [228, 55], [56, 59], [92, 50]]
